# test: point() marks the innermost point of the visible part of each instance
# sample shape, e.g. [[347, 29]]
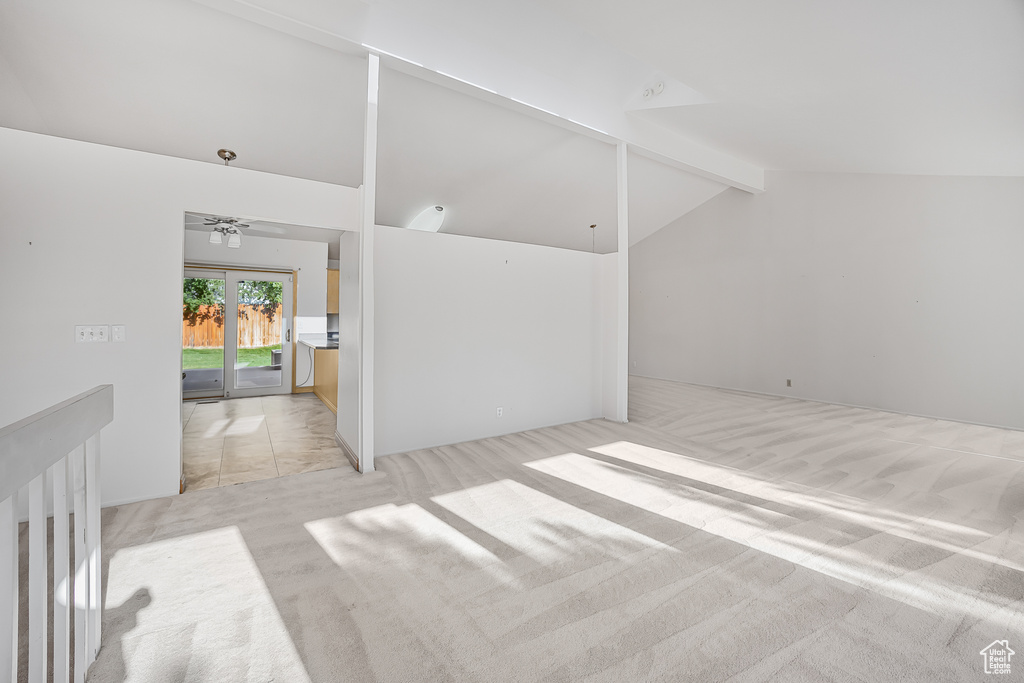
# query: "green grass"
[[194, 359]]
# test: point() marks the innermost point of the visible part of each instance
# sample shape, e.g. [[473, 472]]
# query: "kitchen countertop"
[[318, 341]]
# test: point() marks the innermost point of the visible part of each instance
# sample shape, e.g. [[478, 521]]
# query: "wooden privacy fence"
[[255, 328]]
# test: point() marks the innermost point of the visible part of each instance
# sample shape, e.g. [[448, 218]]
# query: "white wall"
[[309, 258], [93, 235], [464, 325], [348, 340], [898, 292]]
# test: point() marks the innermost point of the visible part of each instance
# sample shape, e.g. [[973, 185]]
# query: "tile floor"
[[249, 439]]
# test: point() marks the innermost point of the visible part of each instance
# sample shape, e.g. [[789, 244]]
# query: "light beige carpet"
[[718, 536]]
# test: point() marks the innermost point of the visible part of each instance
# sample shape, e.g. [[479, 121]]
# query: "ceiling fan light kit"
[[229, 227]]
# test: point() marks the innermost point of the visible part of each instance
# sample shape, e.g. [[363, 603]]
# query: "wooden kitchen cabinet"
[[332, 290], [325, 377]]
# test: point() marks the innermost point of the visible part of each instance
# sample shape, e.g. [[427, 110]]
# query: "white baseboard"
[[347, 450]]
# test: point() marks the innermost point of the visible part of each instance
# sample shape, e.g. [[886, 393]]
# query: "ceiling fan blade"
[[267, 228]]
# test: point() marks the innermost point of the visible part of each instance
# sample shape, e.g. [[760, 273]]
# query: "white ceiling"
[[915, 86], [174, 77], [876, 86], [499, 174], [504, 175]]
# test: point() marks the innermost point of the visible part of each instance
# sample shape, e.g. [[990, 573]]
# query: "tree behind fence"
[[255, 328]]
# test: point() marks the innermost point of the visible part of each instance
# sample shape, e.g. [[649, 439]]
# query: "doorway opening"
[[250, 410]]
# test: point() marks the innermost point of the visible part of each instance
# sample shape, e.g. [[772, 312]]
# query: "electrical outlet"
[[501, 412], [103, 333], [789, 382]]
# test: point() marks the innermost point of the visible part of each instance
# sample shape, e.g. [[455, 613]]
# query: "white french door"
[[261, 357], [239, 344]]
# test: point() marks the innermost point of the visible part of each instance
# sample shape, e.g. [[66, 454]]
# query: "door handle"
[[288, 335]]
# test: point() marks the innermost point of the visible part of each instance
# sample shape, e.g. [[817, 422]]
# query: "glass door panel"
[[202, 334], [260, 317], [258, 330]]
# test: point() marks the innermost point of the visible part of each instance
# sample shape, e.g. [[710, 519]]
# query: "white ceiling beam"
[[511, 54]]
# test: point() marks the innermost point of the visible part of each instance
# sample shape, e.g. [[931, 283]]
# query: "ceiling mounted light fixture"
[[226, 227], [429, 219], [227, 155]]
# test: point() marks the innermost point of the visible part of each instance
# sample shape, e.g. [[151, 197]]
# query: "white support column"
[[9, 587], [368, 221], [93, 541], [61, 574], [622, 331], [38, 573]]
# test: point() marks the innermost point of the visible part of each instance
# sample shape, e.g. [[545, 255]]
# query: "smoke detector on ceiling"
[[654, 90]]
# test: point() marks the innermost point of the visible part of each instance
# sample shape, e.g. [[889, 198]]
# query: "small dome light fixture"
[[429, 219]]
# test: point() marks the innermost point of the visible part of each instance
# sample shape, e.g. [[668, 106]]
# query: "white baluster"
[[9, 587], [61, 574], [38, 572], [92, 540], [81, 597]]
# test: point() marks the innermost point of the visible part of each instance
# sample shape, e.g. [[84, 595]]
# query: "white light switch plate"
[[117, 333], [89, 334]]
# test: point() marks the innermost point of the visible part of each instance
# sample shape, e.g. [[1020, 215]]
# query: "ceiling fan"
[[226, 226]]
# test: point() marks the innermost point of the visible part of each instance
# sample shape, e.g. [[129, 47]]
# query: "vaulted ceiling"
[[872, 86], [506, 112]]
